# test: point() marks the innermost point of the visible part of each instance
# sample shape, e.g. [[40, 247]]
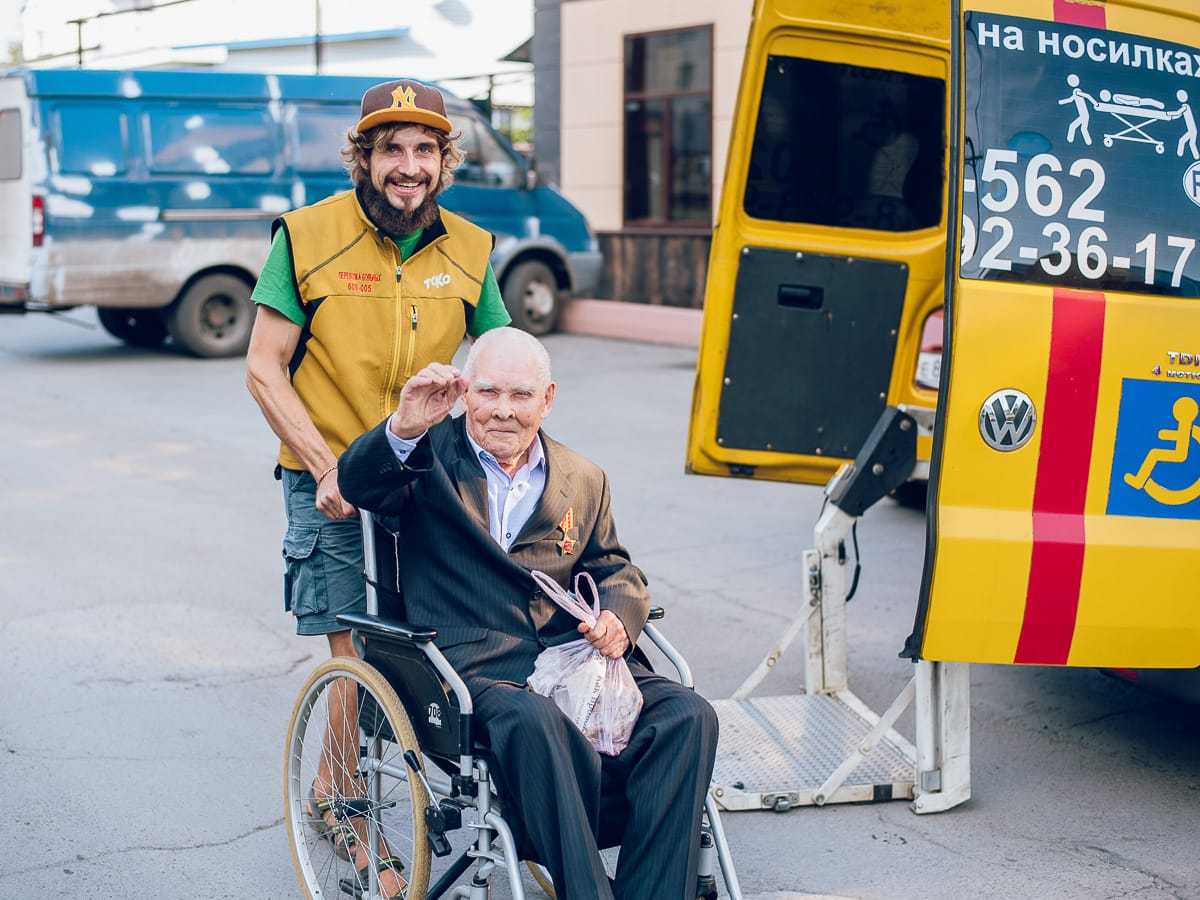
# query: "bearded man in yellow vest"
[[359, 291]]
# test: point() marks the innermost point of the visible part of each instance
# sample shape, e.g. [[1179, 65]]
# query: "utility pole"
[[78, 23], [317, 37]]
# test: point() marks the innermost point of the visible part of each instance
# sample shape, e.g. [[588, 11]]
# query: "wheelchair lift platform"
[[776, 753], [825, 745]]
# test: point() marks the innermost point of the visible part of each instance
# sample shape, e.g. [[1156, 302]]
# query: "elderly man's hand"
[[607, 635], [426, 399]]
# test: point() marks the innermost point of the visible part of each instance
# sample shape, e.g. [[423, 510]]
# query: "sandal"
[[357, 887], [339, 833]]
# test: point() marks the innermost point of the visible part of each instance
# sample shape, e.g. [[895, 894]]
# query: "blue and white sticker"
[[1191, 183], [1156, 460]]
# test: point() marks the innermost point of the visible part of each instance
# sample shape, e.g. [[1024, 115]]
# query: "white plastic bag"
[[598, 694]]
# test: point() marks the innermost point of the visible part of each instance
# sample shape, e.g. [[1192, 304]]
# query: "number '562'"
[[1043, 190]]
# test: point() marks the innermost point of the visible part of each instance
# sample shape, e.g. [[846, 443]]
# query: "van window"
[[320, 134], [487, 162], [211, 141], [847, 146], [1080, 175], [90, 139], [468, 143], [10, 144]]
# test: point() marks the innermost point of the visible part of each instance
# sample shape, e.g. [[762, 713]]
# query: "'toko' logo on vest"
[[439, 280]]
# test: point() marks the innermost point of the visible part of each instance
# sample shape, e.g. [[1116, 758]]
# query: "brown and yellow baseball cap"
[[403, 101]]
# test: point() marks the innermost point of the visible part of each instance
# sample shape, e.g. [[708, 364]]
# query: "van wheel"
[[213, 317], [135, 327], [532, 297]]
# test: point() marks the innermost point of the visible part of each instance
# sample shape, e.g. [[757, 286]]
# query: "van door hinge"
[[814, 585]]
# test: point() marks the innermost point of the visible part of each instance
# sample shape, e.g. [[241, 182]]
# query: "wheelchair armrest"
[[387, 628], [656, 613], [674, 657]]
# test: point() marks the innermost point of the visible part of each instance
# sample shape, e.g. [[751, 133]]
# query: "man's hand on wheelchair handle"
[[607, 635], [329, 499], [426, 399]]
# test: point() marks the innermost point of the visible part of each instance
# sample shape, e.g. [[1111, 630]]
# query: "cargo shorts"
[[323, 560]]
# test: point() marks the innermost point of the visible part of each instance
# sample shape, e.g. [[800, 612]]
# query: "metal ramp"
[[825, 745], [777, 752]]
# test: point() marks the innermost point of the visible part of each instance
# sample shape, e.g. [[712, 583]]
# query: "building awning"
[[305, 40], [521, 53]]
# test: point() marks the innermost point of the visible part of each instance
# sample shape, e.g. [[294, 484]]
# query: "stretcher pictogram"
[[1136, 117], [1137, 114]]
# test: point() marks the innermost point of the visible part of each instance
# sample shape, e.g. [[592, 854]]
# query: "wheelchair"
[[414, 710]]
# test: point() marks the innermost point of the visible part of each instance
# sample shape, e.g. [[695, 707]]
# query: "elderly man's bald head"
[[510, 392], [510, 343]]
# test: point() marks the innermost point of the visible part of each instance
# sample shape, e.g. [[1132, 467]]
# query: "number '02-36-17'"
[[1044, 196]]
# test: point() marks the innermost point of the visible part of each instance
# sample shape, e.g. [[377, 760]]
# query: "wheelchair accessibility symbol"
[[1181, 437], [1156, 463]]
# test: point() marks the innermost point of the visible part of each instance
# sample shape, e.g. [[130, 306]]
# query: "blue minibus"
[[149, 194]]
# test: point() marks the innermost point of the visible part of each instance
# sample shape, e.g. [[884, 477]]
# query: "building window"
[[668, 128]]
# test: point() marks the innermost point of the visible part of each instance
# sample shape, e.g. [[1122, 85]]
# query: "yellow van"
[[1064, 524]]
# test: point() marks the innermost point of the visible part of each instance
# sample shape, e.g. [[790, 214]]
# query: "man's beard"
[[391, 219]]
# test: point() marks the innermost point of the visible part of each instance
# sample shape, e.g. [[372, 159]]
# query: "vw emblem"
[[1006, 420]]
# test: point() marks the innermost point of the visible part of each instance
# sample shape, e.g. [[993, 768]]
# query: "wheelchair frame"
[[467, 799]]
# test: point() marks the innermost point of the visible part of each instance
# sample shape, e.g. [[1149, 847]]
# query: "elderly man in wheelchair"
[[457, 512]]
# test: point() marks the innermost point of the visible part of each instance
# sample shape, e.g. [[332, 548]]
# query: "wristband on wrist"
[[321, 477]]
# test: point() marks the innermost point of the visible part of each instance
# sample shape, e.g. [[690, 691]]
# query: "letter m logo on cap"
[[404, 97]]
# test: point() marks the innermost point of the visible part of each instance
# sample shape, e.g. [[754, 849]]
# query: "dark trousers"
[[567, 800]]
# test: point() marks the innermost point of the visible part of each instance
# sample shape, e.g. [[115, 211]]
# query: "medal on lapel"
[[567, 545]]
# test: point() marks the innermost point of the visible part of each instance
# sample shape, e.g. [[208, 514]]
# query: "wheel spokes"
[[340, 729]]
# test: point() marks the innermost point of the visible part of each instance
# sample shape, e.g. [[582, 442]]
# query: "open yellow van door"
[[828, 253], [1066, 466]]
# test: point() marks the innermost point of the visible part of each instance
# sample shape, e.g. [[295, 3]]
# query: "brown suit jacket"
[[491, 618]]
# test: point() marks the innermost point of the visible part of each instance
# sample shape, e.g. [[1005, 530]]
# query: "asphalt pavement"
[[149, 667]]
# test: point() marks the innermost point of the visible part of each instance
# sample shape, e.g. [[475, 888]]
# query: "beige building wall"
[[592, 123]]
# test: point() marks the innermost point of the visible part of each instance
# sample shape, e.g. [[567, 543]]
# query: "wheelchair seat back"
[[431, 707]]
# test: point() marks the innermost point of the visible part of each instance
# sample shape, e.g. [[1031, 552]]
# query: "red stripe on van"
[[1060, 489], [1090, 15]]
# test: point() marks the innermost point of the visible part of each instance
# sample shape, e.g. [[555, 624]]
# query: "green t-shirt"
[[276, 289]]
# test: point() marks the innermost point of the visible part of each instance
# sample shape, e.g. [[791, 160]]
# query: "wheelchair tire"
[[400, 816], [542, 877]]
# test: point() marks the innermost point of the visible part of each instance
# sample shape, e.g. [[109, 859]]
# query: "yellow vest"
[[372, 320]]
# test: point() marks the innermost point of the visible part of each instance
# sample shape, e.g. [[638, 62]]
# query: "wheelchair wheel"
[[542, 877], [369, 797]]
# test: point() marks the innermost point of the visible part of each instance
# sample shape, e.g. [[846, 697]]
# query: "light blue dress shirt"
[[511, 501]]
